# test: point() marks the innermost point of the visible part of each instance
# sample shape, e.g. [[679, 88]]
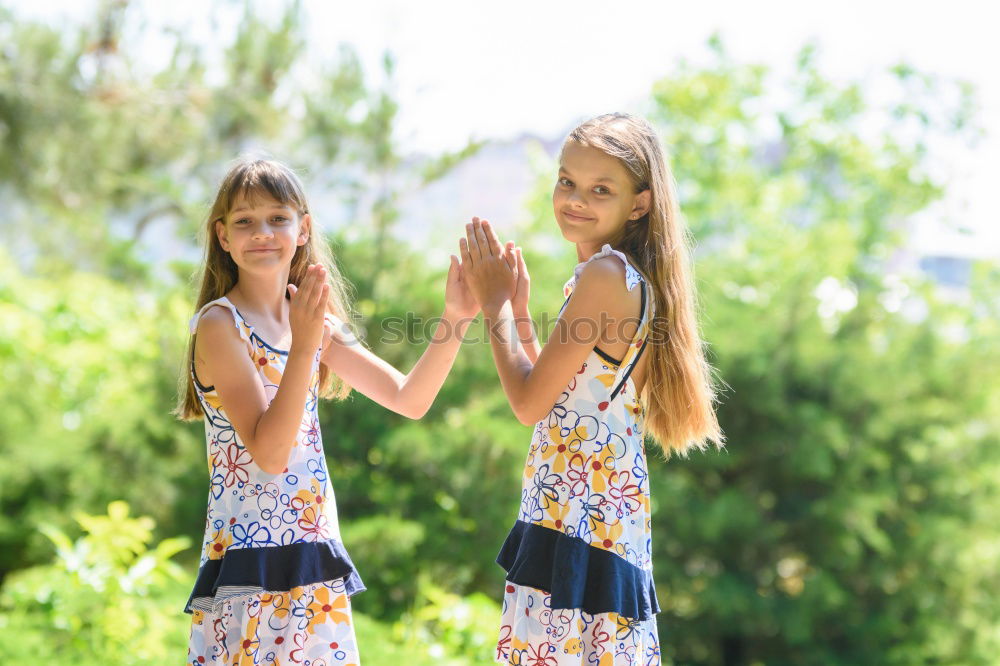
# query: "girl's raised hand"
[[489, 271], [458, 300], [307, 308], [520, 301]]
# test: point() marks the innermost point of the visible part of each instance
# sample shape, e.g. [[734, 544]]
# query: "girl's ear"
[[220, 232], [643, 200], [305, 228]]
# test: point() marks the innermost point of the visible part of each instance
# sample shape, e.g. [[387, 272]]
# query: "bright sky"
[[499, 69]]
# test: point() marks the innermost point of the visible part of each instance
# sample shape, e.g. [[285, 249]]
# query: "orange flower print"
[[328, 605], [220, 543]]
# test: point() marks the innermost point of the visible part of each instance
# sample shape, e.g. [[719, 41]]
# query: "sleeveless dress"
[[275, 581], [579, 577]]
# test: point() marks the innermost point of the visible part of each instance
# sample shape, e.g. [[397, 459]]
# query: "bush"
[[107, 599]]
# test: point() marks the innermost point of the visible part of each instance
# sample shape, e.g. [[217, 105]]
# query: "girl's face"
[[594, 197], [262, 235]]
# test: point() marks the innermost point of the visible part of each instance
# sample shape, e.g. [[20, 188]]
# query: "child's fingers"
[[508, 253], [307, 284], [496, 249], [475, 251], [322, 289], [292, 289], [522, 270], [324, 294], [484, 244], [314, 279], [463, 248], [509, 257]]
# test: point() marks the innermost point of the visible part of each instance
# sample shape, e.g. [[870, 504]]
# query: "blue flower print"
[[252, 535]]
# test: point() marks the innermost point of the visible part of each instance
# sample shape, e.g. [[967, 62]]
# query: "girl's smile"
[[593, 197], [575, 217], [262, 230]]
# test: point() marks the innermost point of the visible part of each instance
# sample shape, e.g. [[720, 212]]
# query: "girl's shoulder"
[[218, 320], [608, 266]]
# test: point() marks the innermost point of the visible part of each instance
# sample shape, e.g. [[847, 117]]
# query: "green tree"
[[847, 522]]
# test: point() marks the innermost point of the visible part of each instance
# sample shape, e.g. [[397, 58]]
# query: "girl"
[[275, 579], [579, 577]]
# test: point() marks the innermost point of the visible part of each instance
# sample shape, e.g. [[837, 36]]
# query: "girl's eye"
[[242, 221], [600, 189], [279, 219], [566, 182]]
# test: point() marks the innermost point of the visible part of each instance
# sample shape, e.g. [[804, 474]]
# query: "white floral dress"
[[275, 581], [579, 585]]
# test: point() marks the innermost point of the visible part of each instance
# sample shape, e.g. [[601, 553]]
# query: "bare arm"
[[267, 431], [600, 296], [412, 394], [526, 334], [519, 304], [532, 389]]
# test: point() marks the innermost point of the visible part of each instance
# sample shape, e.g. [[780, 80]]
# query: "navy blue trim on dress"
[[635, 361], [576, 574], [253, 333], [194, 376], [283, 352], [277, 569], [607, 357]]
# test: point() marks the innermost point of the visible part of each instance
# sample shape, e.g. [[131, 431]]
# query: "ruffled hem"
[[632, 276], [576, 574], [249, 571]]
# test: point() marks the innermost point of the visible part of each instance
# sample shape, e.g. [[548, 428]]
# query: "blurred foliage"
[[107, 599], [850, 519], [451, 630]]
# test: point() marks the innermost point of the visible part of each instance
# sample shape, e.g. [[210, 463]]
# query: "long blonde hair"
[[250, 179], [679, 395]]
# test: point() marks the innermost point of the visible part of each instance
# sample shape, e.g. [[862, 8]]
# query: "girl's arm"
[[599, 299], [267, 431], [519, 304], [412, 394]]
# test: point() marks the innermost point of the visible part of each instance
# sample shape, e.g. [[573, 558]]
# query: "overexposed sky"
[[470, 69]]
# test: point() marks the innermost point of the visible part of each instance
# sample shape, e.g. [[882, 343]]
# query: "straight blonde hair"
[[252, 179], [680, 395]]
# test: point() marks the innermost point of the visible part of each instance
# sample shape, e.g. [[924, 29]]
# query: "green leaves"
[[851, 520], [847, 422], [107, 598]]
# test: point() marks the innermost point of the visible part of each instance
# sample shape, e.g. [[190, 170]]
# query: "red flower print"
[[311, 436], [601, 638], [314, 522], [503, 644], [237, 458], [576, 475], [300, 643], [541, 655], [625, 496]]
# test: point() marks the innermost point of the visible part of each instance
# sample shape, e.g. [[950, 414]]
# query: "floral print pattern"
[[309, 625], [532, 633], [586, 477], [251, 509]]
